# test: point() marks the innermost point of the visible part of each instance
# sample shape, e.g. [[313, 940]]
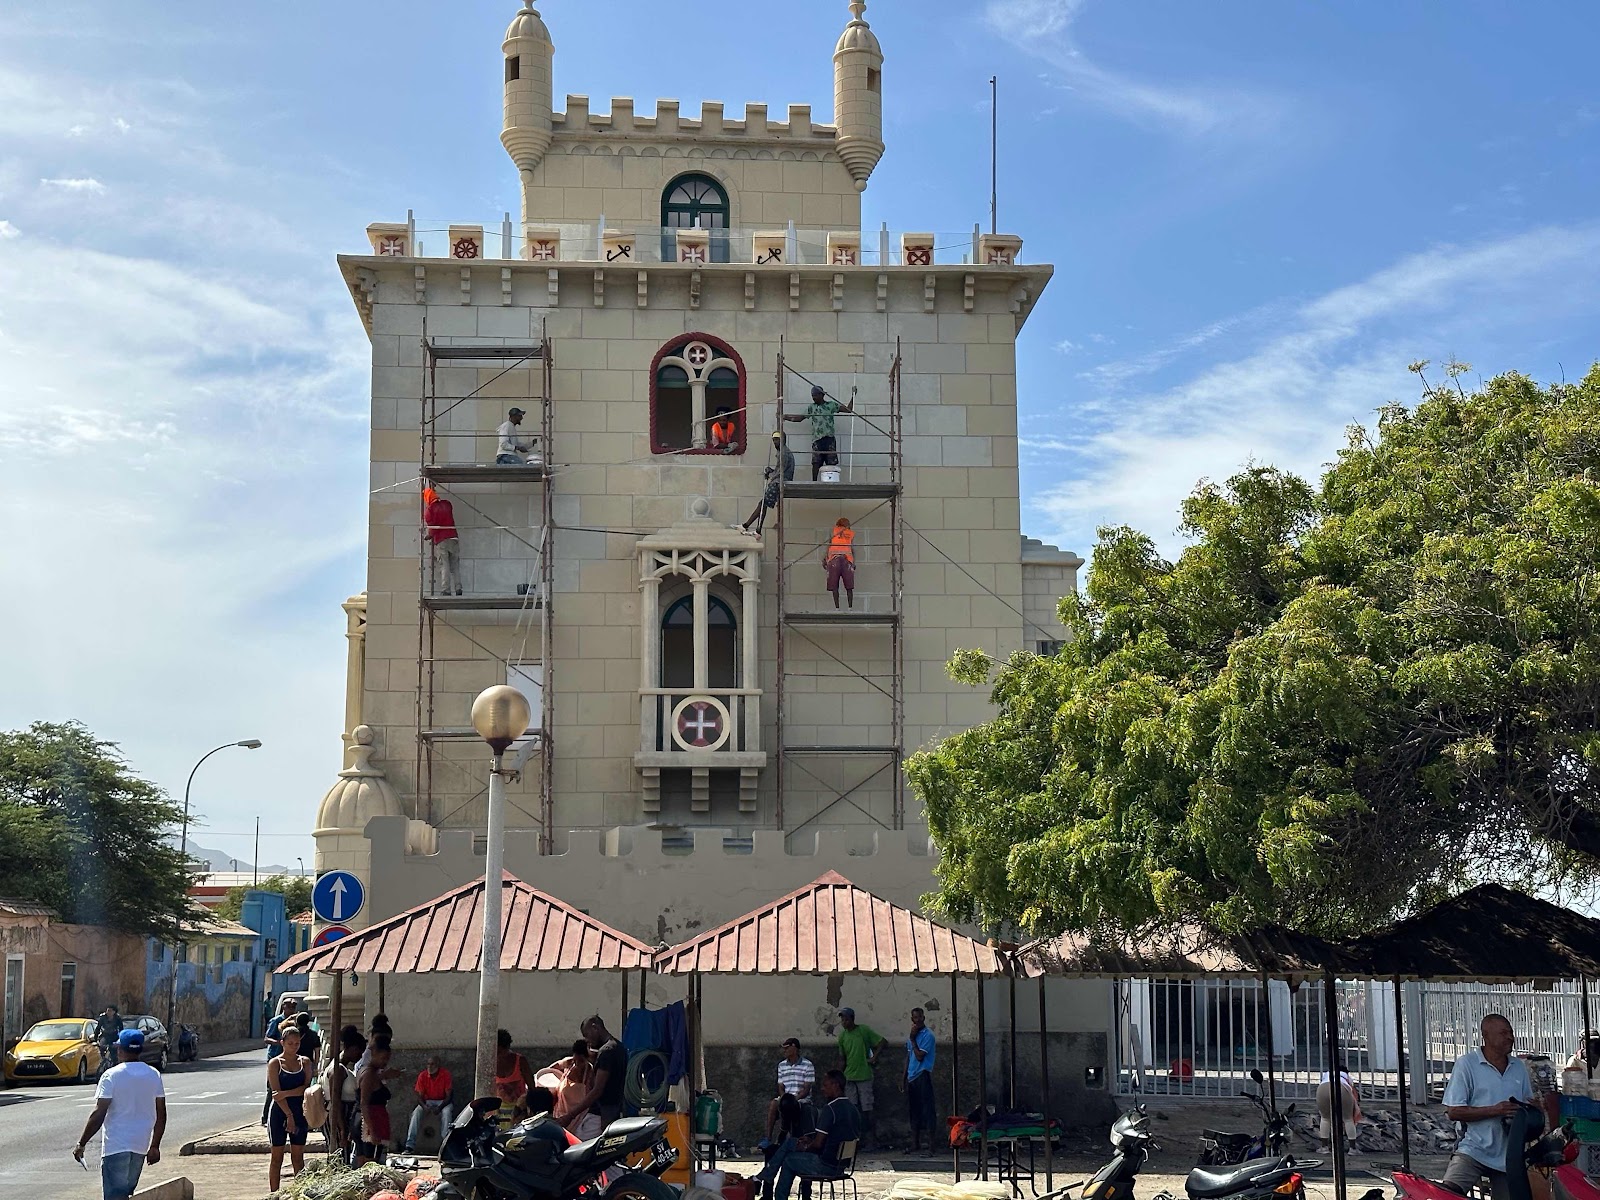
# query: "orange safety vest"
[[722, 433], [839, 545]]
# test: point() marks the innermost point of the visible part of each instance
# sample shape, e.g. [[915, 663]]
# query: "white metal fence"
[[1202, 1037]]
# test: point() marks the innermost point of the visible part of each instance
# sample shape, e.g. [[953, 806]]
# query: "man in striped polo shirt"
[[796, 1077]]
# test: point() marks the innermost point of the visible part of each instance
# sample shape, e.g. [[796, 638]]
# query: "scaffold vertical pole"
[[547, 602], [423, 807], [897, 587], [780, 573]]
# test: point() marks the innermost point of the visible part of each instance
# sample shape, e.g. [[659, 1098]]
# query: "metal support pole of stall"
[[1330, 1017], [1588, 1026], [1044, 1096], [955, 1068], [1400, 1073], [381, 1006], [624, 1020], [336, 1009], [1011, 1066], [983, 1086], [1272, 1045]]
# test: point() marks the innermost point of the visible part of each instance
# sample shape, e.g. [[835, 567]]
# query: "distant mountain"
[[216, 860]]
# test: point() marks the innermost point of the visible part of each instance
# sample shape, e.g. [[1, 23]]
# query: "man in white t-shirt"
[[131, 1106], [517, 447]]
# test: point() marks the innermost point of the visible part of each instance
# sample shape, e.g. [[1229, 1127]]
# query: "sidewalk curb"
[[189, 1147]]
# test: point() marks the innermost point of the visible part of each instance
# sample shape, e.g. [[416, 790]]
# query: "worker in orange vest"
[[840, 561], [724, 433]]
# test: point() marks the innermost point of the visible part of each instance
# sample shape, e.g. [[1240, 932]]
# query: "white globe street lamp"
[[500, 715]]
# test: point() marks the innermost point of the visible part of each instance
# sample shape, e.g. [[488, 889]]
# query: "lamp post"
[[248, 744], [500, 715], [302, 863]]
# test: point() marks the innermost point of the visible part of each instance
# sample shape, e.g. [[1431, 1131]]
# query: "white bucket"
[[712, 1180], [828, 475]]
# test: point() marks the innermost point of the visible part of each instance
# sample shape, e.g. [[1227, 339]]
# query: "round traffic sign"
[[329, 935], [337, 896]]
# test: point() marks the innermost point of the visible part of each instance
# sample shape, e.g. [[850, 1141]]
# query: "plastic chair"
[[842, 1180]]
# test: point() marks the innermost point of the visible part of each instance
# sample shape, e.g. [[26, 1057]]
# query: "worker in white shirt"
[[517, 446]]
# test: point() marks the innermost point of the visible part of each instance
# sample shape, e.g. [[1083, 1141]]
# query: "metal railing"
[[1202, 1037]]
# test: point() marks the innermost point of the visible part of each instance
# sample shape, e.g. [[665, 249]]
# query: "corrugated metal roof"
[[539, 933], [1186, 950], [25, 908], [829, 927]]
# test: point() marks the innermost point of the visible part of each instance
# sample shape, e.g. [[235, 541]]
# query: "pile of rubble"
[[1379, 1131]]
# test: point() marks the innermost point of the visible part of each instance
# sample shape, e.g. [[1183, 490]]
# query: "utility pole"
[[255, 866]]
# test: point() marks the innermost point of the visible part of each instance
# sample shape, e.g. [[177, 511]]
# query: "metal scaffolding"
[[530, 603], [887, 488]]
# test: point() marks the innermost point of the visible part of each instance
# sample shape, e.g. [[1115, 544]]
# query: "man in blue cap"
[[131, 1107]]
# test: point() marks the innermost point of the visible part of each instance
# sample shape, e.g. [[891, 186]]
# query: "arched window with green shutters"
[[695, 202]]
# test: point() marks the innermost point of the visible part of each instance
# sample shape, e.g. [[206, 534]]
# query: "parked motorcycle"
[[1527, 1146], [1276, 1178], [188, 1043], [537, 1159], [1218, 1149]]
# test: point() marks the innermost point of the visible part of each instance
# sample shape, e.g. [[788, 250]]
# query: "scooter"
[[537, 1159], [1527, 1146], [1264, 1179], [1218, 1149]]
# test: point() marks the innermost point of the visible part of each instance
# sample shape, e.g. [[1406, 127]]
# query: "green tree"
[[1337, 703], [84, 834], [296, 893]]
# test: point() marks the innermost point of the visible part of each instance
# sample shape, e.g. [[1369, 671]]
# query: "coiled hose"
[[638, 1091]]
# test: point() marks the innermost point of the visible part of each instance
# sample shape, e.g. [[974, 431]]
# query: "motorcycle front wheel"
[[636, 1185]]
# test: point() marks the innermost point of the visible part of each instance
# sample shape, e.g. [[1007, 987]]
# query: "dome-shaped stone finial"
[[527, 23], [361, 793], [858, 96], [858, 9]]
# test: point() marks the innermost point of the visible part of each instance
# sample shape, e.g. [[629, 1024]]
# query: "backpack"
[[315, 1105]]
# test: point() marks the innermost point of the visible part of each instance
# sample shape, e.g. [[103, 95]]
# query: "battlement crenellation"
[[670, 121]]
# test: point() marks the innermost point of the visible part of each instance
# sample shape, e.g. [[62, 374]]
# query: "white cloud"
[[88, 186], [8, 230], [1324, 364], [1044, 28]]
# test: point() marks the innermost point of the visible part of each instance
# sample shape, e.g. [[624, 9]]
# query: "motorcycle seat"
[[1206, 1185], [611, 1139]]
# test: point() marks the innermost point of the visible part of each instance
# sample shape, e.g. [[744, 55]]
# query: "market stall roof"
[[1191, 950], [1487, 934], [828, 927], [540, 933]]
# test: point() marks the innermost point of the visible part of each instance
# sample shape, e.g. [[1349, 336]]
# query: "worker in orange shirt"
[[840, 561], [439, 522], [724, 433]]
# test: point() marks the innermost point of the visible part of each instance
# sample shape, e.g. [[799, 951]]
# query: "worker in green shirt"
[[859, 1046]]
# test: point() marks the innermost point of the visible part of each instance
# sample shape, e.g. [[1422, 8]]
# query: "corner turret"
[[858, 96], [528, 99]]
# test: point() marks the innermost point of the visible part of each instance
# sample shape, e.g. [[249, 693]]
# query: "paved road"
[[39, 1125]]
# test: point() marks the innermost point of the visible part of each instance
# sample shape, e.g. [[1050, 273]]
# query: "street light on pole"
[[500, 715], [247, 744], [302, 863]]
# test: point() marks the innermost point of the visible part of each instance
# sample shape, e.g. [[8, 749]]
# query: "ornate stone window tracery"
[[692, 379]]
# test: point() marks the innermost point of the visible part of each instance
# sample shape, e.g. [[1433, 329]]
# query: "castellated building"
[[713, 726]]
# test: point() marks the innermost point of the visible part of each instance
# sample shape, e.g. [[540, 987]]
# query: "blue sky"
[[1258, 216]]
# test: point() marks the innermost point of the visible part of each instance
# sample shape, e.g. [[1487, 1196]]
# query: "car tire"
[[83, 1069], [161, 1062]]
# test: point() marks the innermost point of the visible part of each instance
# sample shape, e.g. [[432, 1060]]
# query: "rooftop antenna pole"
[[994, 154]]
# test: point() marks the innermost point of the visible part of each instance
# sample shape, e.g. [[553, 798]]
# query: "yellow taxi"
[[55, 1050]]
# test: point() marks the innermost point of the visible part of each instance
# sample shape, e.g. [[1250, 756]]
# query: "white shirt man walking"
[[1484, 1089], [131, 1107]]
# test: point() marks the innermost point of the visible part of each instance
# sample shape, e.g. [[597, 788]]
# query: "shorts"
[[825, 452], [1347, 1103], [859, 1093], [1464, 1173], [278, 1130], [841, 570]]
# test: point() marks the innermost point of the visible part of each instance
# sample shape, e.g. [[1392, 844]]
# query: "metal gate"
[[1202, 1037]]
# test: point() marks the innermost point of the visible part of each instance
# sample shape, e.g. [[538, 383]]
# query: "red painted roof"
[[539, 933], [832, 927]]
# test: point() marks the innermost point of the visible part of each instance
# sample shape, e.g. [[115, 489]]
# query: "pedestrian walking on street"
[[919, 1082], [130, 1105], [287, 1077], [859, 1046]]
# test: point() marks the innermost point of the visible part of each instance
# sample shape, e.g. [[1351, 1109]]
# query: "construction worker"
[[820, 412], [841, 561], [516, 445], [439, 520], [724, 433], [769, 498]]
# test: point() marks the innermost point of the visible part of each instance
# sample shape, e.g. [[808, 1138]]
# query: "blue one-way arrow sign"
[[337, 896]]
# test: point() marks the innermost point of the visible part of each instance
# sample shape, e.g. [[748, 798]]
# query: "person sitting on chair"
[[819, 1155], [724, 433]]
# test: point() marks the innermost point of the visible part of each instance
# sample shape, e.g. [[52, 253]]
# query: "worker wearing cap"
[[859, 1047], [439, 520], [516, 445], [821, 412], [131, 1106]]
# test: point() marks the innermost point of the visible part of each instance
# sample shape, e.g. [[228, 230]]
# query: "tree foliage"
[[295, 890], [1337, 703], [81, 832]]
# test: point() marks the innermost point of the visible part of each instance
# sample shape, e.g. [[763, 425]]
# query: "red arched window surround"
[[741, 414]]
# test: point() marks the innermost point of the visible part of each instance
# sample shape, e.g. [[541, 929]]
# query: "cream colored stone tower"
[[706, 712]]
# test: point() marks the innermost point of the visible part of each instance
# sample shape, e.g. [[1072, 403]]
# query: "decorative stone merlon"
[[769, 249], [541, 244], [619, 247], [844, 249], [466, 241], [713, 122], [916, 249], [693, 245], [999, 249], [390, 239]]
